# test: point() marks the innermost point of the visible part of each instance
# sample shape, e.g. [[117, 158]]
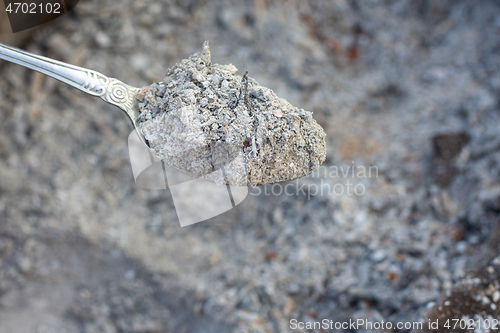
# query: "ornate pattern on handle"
[[110, 90], [94, 83]]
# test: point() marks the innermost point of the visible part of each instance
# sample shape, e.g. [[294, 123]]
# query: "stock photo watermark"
[[29, 14], [197, 199], [326, 181]]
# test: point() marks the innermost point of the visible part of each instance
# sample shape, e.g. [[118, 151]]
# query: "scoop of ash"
[[205, 120]]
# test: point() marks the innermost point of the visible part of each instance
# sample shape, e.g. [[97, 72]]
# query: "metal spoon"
[[93, 83], [296, 157]]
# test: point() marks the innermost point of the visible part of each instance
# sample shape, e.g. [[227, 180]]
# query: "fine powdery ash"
[[208, 122]]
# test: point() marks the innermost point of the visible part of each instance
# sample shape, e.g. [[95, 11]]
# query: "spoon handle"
[[94, 83]]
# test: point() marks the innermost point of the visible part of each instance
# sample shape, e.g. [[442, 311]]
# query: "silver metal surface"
[[93, 83]]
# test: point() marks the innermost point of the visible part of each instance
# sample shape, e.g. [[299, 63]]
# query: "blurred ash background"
[[411, 87]]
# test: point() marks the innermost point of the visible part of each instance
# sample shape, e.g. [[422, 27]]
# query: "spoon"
[[93, 83], [205, 120]]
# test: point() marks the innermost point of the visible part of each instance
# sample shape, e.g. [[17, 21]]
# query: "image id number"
[[33, 8]]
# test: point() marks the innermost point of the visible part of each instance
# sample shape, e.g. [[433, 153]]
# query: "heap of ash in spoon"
[[208, 122]]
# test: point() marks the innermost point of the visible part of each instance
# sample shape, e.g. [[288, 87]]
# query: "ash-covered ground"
[[408, 90]]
